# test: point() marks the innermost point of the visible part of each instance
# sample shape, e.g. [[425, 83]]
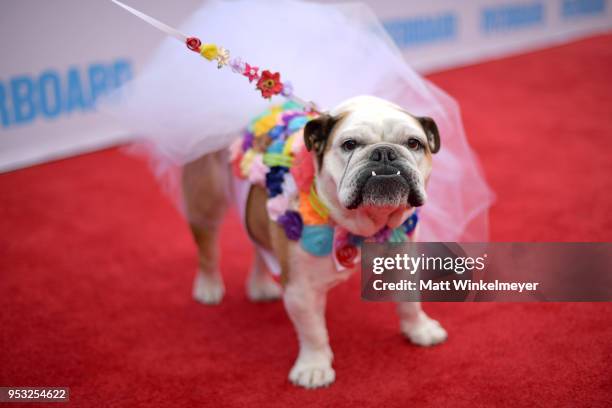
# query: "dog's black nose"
[[383, 154]]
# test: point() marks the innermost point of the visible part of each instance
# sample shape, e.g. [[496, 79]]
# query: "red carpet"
[[96, 268]]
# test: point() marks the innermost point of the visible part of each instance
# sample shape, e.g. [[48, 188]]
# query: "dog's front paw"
[[312, 370], [263, 288], [208, 288], [424, 332]]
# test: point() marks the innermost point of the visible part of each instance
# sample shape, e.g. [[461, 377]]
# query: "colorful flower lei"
[[271, 155]]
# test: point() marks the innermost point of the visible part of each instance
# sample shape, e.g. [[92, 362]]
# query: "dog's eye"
[[349, 145], [414, 144]]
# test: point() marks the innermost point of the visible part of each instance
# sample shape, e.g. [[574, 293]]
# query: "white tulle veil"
[[183, 106]]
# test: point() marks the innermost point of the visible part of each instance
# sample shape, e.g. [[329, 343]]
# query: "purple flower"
[[287, 89], [237, 65], [291, 221], [311, 107], [247, 141], [289, 115], [383, 235]]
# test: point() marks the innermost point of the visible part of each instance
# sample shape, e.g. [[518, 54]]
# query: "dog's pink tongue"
[[397, 217]]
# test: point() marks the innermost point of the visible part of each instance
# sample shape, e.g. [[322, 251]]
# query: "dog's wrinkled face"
[[372, 155]]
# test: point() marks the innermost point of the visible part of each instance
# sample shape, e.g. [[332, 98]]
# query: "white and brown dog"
[[372, 162]]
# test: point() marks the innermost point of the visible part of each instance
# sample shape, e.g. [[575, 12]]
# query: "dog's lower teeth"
[[373, 173]]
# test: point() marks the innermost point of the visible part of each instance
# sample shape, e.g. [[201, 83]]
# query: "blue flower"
[[274, 180], [355, 240], [297, 123], [317, 240], [276, 131], [398, 235], [276, 147], [411, 223]]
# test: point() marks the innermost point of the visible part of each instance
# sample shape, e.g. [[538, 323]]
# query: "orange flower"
[[309, 214]]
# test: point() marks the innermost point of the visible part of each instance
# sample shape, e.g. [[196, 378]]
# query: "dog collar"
[[322, 239], [269, 154]]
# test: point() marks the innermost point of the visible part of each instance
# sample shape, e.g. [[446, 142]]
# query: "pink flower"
[[251, 72], [236, 161], [258, 170], [297, 145], [235, 149], [303, 170], [289, 187], [277, 206]]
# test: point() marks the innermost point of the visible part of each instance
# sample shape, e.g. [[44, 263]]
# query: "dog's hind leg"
[[206, 192], [260, 285]]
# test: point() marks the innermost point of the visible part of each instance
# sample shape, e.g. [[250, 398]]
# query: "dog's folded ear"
[[431, 130], [317, 132]]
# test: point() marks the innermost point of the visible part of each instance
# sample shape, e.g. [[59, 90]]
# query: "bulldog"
[[372, 161]]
